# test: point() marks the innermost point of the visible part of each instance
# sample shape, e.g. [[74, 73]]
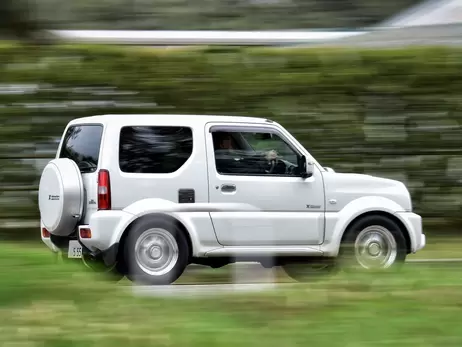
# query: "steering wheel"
[[290, 169], [272, 166]]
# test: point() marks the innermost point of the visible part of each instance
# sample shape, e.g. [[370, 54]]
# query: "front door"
[[257, 165]]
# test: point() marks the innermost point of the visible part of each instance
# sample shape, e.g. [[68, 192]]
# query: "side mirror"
[[305, 169]]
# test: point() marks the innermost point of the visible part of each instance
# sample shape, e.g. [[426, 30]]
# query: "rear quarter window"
[[82, 144], [154, 149]]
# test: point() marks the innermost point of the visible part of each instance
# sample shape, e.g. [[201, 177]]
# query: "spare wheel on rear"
[[61, 196]]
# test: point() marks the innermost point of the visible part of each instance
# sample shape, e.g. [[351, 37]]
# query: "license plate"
[[75, 249]]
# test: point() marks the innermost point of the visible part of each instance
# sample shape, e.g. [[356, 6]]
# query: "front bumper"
[[422, 242], [413, 224]]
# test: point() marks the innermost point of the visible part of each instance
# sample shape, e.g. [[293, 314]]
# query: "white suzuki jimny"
[[146, 195]]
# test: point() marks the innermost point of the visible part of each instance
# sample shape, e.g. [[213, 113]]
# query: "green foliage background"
[[215, 15], [394, 113]]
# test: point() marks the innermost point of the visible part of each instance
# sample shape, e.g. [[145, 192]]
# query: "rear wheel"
[[373, 243], [155, 252]]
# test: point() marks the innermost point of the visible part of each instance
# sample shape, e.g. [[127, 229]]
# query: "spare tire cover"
[[61, 196]]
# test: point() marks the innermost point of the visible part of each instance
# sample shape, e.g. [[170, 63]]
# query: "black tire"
[[114, 275], [380, 225], [170, 233], [310, 271], [111, 273]]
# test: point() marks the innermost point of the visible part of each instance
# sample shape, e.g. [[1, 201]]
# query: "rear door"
[[82, 143]]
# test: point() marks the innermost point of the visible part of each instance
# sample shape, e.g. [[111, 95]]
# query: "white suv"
[[146, 195]]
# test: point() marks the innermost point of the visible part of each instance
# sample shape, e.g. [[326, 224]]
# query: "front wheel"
[[374, 243]]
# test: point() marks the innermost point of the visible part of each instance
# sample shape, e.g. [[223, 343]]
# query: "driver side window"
[[253, 153], [265, 142]]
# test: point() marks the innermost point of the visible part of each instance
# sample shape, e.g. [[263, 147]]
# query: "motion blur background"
[[394, 112], [368, 86]]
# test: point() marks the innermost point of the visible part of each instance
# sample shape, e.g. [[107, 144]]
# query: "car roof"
[[165, 119]]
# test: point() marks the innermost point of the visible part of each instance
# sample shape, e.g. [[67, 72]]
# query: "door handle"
[[227, 188]]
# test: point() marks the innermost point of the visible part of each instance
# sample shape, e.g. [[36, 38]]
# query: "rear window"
[[154, 149], [82, 144]]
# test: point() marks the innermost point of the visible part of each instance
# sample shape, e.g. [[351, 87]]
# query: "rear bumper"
[[47, 241], [106, 228], [104, 242], [50, 244], [108, 256], [413, 224]]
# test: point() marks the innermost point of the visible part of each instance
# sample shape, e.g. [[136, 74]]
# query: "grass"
[[436, 248], [440, 248], [47, 304]]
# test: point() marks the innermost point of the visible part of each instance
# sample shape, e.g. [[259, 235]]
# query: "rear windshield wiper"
[[86, 167]]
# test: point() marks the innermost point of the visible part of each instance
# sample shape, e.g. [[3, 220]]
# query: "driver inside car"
[[227, 142], [224, 141]]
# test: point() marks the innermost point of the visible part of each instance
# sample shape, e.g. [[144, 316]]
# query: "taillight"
[[104, 190], [45, 233], [85, 233]]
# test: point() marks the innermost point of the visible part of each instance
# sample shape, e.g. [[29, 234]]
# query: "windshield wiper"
[[88, 169]]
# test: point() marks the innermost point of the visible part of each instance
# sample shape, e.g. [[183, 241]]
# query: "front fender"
[[337, 222]]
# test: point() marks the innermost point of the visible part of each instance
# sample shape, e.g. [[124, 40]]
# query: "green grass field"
[[436, 248], [43, 303], [440, 248]]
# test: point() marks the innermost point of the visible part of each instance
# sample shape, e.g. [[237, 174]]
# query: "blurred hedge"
[[394, 113]]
